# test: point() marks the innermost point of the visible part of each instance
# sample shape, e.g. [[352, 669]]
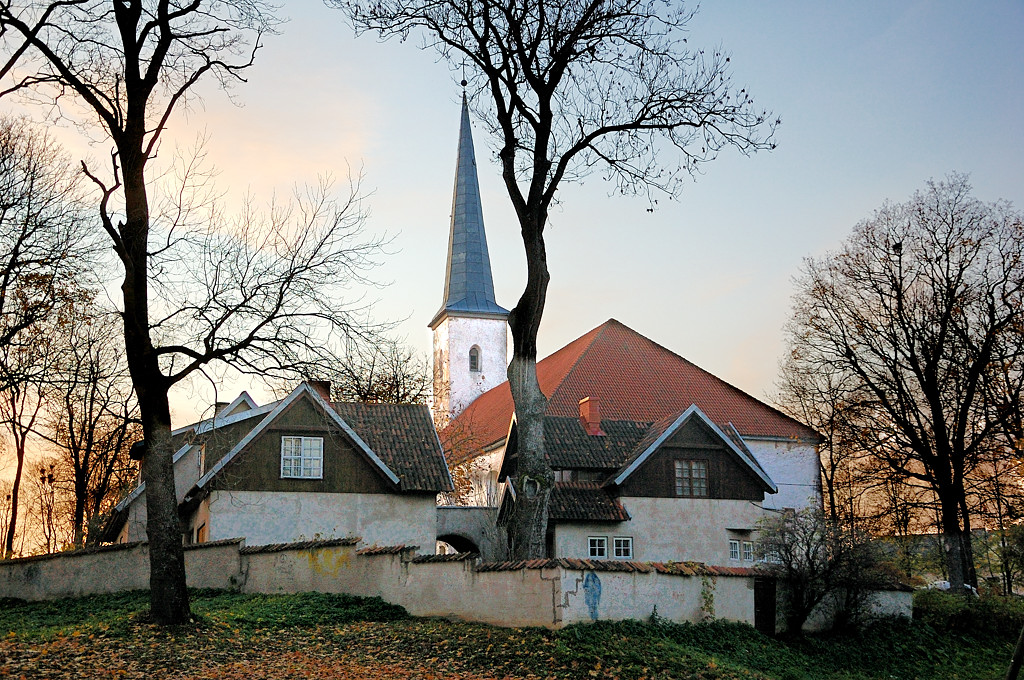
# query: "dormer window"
[[474, 359], [302, 457]]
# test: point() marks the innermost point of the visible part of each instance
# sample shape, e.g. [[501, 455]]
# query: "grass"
[[313, 635]]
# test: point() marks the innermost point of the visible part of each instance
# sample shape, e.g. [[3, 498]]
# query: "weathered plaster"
[[283, 517], [794, 468], [690, 529]]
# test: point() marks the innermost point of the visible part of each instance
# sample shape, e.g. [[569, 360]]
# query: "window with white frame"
[[734, 550], [623, 547], [692, 478], [748, 551], [474, 359], [598, 546], [302, 457]]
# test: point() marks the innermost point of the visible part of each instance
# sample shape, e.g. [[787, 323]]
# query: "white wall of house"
[[794, 468], [482, 474], [284, 517], [134, 528], [455, 386], [663, 529]]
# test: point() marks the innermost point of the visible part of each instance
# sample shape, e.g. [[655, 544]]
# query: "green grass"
[[368, 632]]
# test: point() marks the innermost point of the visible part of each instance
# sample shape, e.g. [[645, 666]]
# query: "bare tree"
[[20, 407], [91, 419], [568, 88], [381, 370], [818, 560], [921, 308], [40, 250], [261, 293]]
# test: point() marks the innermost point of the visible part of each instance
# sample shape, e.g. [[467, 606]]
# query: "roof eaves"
[[137, 491], [303, 388]]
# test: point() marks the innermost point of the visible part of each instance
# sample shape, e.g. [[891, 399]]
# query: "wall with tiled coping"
[[550, 593]]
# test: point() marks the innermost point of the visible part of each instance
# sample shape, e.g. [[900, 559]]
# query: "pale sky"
[[875, 99]]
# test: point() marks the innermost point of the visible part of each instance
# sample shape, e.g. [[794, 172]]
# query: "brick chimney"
[[323, 388], [590, 416]]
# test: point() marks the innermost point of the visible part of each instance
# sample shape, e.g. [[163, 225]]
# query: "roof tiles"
[[635, 379]]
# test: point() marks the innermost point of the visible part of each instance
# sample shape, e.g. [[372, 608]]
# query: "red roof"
[[635, 379]]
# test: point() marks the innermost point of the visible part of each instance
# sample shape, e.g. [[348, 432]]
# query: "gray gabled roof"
[[468, 286]]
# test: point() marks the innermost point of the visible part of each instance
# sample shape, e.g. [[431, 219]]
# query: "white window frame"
[[686, 482], [479, 359], [734, 549], [622, 547], [748, 551], [597, 547], [308, 464]]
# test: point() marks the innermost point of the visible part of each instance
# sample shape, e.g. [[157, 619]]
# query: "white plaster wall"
[[134, 528], [285, 517], [881, 604], [629, 595], [482, 473], [455, 387], [111, 571], [794, 468], [186, 472], [679, 529]]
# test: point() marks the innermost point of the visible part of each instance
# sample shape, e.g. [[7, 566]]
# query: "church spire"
[[468, 286]]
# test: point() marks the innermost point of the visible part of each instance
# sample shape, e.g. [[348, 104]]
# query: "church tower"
[[470, 330]]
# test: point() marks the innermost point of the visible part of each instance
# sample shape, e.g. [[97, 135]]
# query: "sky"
[[875, 99]]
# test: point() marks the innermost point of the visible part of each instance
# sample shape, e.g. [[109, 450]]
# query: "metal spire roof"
[[468, 286]]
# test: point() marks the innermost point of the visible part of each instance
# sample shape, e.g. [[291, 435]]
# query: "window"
[[598, 546], [692, 478], [302, 457], [734, 550], [748, 551], [623, 547], [474, 359]]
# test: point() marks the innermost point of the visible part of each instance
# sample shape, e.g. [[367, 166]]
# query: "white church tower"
[[470, 330]]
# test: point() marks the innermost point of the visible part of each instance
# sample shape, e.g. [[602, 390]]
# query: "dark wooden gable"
[[346, 469], [728, 476]]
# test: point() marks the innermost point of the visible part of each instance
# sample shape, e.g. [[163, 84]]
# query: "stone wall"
[[549, 593], [113, 569]]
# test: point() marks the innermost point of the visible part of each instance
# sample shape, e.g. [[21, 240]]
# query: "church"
[[655, 459]]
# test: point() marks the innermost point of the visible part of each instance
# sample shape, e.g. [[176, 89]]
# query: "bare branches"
[[917, 324]]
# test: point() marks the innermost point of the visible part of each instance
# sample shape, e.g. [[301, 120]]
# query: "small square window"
[[623, 547], [598, 546], [734, 550], [748, 551], [302, 457]]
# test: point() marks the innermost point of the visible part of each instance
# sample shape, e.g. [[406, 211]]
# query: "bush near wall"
[[987, 616]]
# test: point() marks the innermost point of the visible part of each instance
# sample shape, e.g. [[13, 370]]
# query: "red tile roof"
[[635, 379]]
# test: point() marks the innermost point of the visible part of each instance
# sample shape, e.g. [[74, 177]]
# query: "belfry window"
[[474, 359]]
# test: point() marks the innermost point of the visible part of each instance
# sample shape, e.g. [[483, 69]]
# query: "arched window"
[[474, 359]]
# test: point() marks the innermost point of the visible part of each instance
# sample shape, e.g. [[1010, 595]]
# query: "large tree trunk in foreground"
[[168, 591], [533, 478]]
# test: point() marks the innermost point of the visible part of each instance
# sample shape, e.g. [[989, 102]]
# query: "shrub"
[[998, 616]]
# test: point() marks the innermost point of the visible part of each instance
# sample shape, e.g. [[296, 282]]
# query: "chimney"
[[323, 388], [590, 416], [220, 406]]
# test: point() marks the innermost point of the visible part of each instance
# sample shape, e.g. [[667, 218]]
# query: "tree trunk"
[[533, 478], [15, 488], [168, 592], [952, 545]]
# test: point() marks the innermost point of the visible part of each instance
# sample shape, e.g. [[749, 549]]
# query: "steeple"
[[470, 331], [468, 286]]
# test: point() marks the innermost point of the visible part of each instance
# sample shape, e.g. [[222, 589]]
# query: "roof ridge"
[[598, 333], [707, 373]]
